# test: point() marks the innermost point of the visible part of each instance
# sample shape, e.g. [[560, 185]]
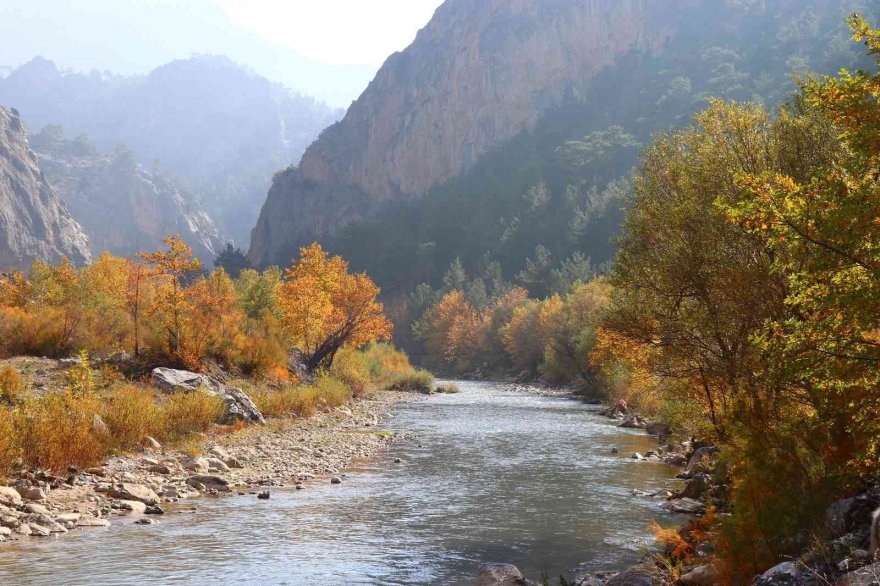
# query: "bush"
[[12, 386], [8, 447], [352, 367], [385, 362], [448, 388], [131, 413], [416, 380], [58, 431], [193, 412]]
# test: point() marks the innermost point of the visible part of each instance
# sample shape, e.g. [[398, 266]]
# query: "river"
[[488, 474]]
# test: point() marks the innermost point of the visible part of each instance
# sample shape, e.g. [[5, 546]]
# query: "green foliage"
[[233, 260]]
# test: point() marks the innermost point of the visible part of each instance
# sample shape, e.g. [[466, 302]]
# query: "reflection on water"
[[491, 474]]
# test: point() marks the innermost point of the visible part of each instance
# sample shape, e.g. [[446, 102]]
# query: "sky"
[[329, 49]]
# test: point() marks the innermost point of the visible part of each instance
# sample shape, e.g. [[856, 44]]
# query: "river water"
[[488, 474]]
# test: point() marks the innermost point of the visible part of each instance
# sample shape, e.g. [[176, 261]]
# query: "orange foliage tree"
[[324, 307]]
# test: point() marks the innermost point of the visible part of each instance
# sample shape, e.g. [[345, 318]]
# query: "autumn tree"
[[324, 307], [174, 266]]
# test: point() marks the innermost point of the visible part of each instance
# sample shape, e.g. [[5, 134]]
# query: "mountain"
[[217, 125], [121, 206], [34, 224], [507, 123]]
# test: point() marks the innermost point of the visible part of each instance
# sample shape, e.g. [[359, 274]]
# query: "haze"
[[305, 45]]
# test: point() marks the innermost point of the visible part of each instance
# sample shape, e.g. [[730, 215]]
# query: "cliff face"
[[124, 208], [34, 224], [478, 74]]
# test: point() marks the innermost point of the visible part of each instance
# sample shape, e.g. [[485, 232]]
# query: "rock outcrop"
[[34, 223], [123, 207], [478, 74], [239, 407]]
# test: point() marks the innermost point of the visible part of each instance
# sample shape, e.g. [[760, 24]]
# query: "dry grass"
[[131, 413], [416, 380], [12, 385], [187, 413]]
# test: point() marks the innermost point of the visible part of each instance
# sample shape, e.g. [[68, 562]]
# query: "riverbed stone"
[[684, 505], [239, 407], [195, 464], [217, 465], [36, 508], [160, 469], [32, 493], [866, 576], [700, 576], [208, 481], [702, 454], [134, 507], [500, 575], [68, 518], [89, 521], [134, 492], [335, 480], [640, 575], [9, 496]]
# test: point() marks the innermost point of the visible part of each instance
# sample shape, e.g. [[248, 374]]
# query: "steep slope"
[[207, 119], [478, 74], [123, 207], [445, 152], [34, 224]]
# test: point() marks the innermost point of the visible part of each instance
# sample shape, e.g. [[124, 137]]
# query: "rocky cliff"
[[34, 224], [123, 207], [478, 74]]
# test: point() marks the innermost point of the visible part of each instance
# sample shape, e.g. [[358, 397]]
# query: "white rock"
[[9, 496], [136, 507]]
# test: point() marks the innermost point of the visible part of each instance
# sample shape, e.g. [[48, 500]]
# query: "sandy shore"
[[282, 453]]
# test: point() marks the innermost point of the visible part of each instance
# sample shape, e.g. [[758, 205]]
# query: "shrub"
[[416, 380], [194, 412], [330, 391], [449, 388], [131, 413], [8, 447], [12, 386], [385, 362], [58, 431], [352, 367]]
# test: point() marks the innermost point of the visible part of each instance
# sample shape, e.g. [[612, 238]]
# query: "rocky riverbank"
[[139, 487]]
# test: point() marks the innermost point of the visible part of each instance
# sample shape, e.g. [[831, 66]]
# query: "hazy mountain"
[[454, 148], [121, 206], [34, 224], [216, 124]]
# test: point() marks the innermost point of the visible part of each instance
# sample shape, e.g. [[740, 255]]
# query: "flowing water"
[[489, 474]]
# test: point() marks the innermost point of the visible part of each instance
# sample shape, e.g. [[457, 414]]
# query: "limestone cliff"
[[478, 74], [34, 224], [123, 207]]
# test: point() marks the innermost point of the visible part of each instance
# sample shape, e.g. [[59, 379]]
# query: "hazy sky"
[[326, 48]]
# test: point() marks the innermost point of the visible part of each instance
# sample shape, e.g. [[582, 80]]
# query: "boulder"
[[695, 487], [657, 428], [9, 496], [92, 522], [632, 421], [195, 464], [684, 505], [208, 481], [700, 576], [640, 575], [134, 507], [68, 518], [837, 516], [500, 575], [784, 574], [160, 469], [134, 492], [217, 465], [32, 493], [701, 453], [866, 576], [239, 407]]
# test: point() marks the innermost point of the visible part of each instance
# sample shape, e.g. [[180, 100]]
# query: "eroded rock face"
[[126, 209], [34, 223], [477, 75]]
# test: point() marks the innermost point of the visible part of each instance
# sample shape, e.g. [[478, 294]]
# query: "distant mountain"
[[217, 125], [34, 224], [506, 124], [121, 206]]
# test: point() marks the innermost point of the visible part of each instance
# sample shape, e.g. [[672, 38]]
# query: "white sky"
[[338, 32]]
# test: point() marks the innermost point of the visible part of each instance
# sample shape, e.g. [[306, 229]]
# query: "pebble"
[[146, 521], [264, 495], [335, 480]]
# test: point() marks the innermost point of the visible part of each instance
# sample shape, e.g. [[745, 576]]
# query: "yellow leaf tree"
[[324, 307]]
